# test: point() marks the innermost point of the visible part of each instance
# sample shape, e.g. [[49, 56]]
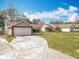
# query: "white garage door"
[[22, 31]]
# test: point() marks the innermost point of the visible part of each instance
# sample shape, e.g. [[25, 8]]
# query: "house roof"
[[20, 23], [66, 25]]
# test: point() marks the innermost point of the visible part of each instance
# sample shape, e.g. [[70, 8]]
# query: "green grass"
[[9, 38], [64, 42]]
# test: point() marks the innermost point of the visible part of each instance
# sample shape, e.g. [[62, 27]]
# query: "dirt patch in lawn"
[[77, 50]]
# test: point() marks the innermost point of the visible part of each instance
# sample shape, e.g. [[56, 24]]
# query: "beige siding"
[[9, 31]]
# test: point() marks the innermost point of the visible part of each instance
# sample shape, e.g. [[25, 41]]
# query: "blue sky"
[[36, 7]]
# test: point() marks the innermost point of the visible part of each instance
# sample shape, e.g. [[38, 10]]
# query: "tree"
[[2, 21], [36, 21], [11, 12], [23, 17], [56, 22], [14, 15]]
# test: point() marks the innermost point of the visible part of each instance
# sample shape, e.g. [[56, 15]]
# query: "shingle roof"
[[14, 23]]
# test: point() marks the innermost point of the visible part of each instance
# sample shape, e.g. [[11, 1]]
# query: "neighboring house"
[[21, 28], [65, 27], [43, 29], [39, 24], [69, 27]]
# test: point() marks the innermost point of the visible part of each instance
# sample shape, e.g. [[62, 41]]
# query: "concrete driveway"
[[53, 54]]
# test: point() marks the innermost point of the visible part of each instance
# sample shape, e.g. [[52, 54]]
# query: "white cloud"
[[56, 14], [61, 9], [72, 8], [39, 15], [73, 17]]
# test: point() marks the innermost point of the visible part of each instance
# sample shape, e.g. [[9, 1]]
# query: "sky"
[[46, 10]]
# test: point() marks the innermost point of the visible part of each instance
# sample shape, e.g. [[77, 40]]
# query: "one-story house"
[[69, 27], [21, 28]]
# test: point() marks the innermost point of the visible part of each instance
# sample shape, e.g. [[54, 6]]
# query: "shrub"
[[9, 38], [57, 29]]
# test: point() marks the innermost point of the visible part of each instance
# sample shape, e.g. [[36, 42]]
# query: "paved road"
[[53, 54]]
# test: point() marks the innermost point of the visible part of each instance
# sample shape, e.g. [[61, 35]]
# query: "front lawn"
[[67, 43]]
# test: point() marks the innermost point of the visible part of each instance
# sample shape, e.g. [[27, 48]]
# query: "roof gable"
[[20, 23]]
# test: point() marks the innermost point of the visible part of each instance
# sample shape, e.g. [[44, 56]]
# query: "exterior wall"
[[43, 29], [75, 30], [6, 29], [9, 31], [65, 29], [69, 30]]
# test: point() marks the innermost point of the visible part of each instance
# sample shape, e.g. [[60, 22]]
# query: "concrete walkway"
[[53, 54]]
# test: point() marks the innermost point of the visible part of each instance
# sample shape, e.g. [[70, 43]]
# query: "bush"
[[57, 29], [9, 38], [1, 33]]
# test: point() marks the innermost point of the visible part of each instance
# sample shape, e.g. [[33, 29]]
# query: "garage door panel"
[[22, 31]]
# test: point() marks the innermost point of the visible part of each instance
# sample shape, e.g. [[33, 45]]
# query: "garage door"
[[22, 31]]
